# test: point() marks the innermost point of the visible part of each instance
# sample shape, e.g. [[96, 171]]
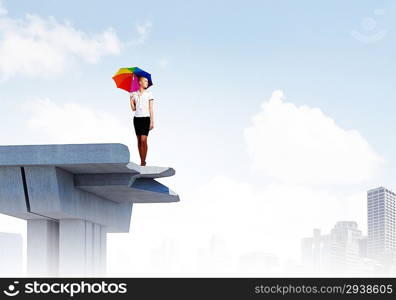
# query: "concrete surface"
[[73, 195]]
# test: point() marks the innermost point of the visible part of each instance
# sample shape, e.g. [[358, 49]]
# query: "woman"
[[143, 120]]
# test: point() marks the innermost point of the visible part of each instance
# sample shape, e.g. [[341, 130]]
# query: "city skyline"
[[374, 253]]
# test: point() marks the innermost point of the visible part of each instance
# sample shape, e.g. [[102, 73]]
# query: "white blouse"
[[142, 103]]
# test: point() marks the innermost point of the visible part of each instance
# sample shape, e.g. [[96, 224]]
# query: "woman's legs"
[[143, 146], [139, 144]]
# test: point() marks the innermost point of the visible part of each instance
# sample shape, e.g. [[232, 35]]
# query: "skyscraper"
[[381, 214], [334, 253]]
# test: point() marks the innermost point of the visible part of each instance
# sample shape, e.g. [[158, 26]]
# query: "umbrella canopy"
[[128, 78]]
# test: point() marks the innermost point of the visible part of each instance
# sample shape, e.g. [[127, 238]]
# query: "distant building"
[[258, 264], [10, 254], [338, 252], [363, 246], [215, 259], [381, 226], [163, 257]]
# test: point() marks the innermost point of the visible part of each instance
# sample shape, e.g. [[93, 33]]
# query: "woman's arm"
[[151, 114], [133, 103]]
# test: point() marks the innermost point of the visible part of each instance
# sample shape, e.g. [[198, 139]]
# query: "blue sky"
[[304, 48], [213, 65]]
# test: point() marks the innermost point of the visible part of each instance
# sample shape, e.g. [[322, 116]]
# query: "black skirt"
[[142, 125]]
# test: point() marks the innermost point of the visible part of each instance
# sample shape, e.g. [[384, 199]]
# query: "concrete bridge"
[[72, 195]]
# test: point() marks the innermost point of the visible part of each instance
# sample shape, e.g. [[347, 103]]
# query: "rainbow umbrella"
[[128, 78]]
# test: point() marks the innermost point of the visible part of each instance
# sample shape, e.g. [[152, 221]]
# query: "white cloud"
[[163, 62], [3, 10], [303, 145], [143, 31], [270, 218], [40, 47], [72, 122]]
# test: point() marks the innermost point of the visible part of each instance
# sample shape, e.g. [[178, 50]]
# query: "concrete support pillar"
[[103, 251], [42, 247], [82, 248]]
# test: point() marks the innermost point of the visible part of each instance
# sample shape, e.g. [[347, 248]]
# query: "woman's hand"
[[151, 125], [133, 103]]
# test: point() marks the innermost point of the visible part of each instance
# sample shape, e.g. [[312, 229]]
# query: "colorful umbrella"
[[128, 78]]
